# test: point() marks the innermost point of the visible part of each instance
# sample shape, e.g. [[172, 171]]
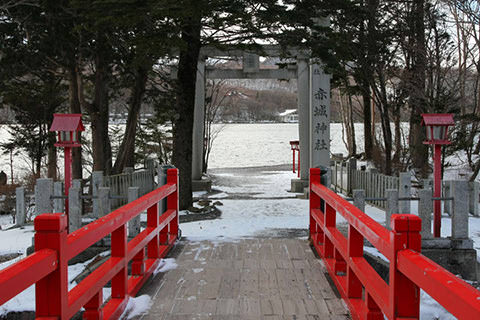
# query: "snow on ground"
[[137, 306], [165, 265]]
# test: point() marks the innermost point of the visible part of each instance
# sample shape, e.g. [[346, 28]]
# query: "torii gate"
[[313, 90]]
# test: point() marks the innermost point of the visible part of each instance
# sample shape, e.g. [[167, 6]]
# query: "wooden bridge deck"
[[246, 279]]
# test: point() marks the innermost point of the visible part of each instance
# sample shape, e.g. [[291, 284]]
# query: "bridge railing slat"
[[48, 266], [365, 292]]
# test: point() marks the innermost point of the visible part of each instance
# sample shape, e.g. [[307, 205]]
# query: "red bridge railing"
[[48, 266], [367, 295]]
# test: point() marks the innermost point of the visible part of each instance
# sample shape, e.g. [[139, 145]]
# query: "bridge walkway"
[[247, 279]]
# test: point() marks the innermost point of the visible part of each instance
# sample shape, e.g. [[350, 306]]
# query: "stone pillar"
[[20, 207], [75, 209], [359, 199], [77, 183], [43, 196], [303, 89], [58, 203], [392, 205], [460, 209], [97, 182], [448, 205], [473, 199], [104, 202], [404, 191], [134, 224], [319, 118], [428, 184], [425, 209], [198, 121], [162, 180]]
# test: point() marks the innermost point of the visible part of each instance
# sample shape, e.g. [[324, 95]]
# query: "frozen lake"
[[262, 144]]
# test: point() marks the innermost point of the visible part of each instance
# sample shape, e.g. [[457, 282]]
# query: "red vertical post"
[[51, 293], [373, 310], [172, 201], [314, 202], [293, 160], [404, 297], [354, 250], [152, 222], [68, 177], [330, 222], [119, 250], [138, 263], [437, 189], [298, 168], [93, 308]]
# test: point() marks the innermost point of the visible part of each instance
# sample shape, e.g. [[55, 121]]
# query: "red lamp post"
[[437, 135], [67, 127]]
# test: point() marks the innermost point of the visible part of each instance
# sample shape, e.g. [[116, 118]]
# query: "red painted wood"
[[367, 295], [48, 268]]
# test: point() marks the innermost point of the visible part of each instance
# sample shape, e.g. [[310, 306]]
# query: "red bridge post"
[[172, 201], [314, 203], [51, 293], [404, 293]]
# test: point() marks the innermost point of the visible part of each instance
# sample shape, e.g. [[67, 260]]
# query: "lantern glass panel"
[[66, 135], [74, 136], [429, 133], [63, 136], [439, 132]]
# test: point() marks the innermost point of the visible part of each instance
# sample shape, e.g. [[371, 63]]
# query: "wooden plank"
[[249, 279]]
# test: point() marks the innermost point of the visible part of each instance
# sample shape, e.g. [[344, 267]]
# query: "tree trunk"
[[418, 151], [367, 124], [102, 151], [52, 157], [351, 124], [185, 103], [126, 152], [75, 107]]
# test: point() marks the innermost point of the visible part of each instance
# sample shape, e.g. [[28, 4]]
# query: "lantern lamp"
[[437, 125], [437, 135], [67, 127]]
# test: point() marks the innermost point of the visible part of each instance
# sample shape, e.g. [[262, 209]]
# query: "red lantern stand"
[[67, 127], [295, 146], [437, 129]]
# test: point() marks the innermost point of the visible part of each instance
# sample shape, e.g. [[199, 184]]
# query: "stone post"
[[460, 209], [97, 182], [162, 180], [392, 205], [75, 209], [404, 191], [473, 199], [448, 205], [359, 199], [134, 224], [58, 203], [425, 209], [428, 184], [198, 121], [77, 183], [43, 196], [20, 207], [303, 85], [104, 202]]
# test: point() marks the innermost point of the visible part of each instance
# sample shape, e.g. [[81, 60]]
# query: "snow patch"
[[137, 306], [165, 265]]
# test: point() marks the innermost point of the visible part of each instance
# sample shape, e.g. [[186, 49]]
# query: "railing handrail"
[[364, 291], [48, 266]]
